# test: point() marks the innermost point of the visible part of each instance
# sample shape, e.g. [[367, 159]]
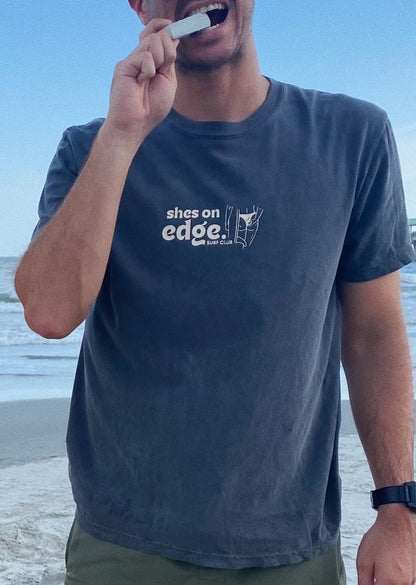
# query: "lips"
[[217, 12]]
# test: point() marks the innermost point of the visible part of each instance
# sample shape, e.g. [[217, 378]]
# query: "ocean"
[[31, 367], [35, 368]]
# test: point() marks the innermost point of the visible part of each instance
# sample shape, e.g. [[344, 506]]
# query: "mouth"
[[217, 13]]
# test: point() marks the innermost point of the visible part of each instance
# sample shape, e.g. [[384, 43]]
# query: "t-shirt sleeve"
[[62, 174], [377, 241]]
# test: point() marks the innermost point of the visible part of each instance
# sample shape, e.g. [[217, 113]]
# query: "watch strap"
[[404, 494]]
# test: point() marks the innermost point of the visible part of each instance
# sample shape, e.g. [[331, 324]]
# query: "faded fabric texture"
[[205, 414]]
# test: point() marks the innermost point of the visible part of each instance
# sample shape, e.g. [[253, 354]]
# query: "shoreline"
[[32, 430]]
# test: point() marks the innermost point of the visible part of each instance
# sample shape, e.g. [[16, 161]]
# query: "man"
[[204, 421]]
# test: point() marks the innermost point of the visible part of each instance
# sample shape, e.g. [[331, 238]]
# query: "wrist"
[[124, 143], [396, 517], [403, 494], [395, 509]]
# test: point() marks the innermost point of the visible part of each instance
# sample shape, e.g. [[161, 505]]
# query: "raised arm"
[[376, 360], [61, 273]]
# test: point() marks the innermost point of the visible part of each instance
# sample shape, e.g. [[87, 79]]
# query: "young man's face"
[[226, 40]]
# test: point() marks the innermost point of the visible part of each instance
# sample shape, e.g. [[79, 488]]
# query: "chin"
[[192, 64]]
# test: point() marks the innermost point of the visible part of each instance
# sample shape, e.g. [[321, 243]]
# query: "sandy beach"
[[36, 507]]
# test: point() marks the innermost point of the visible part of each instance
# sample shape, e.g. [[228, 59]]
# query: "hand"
[[144, 84], [387, 554]]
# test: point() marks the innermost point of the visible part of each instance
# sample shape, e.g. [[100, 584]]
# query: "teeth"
[[205, 9]]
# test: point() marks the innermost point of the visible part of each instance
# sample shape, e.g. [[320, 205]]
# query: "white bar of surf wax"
[[189, 25]]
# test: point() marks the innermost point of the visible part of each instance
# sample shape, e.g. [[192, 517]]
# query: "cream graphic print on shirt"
[[212, 227]]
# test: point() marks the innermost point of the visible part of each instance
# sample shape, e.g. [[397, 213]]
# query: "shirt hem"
[[402, 258], [202, 558]]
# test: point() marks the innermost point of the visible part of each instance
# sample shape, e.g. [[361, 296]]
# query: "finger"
[[154, 45], [154, 26], [162, 48], [146, 67], [139, 66], [365, 573], [170, 47]]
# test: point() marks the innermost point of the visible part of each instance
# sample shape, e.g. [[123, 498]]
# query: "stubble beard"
[[189, 66]]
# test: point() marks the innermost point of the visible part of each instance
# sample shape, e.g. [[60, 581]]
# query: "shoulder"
[[78, 139], [84, 132], [334, 110]]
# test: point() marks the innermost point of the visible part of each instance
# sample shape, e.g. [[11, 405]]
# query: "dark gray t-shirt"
[[205, 413]]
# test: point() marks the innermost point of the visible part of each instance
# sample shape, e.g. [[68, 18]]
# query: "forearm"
[[61, 273], [378, 370]]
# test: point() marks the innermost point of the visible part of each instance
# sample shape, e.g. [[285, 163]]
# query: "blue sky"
[[57, 59]]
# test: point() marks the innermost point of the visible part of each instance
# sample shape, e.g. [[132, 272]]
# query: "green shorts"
[[91, 561]]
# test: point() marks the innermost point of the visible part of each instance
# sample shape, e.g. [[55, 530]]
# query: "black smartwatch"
[[395, 494]]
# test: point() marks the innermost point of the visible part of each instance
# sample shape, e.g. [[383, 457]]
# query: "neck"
[[229, 93]]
